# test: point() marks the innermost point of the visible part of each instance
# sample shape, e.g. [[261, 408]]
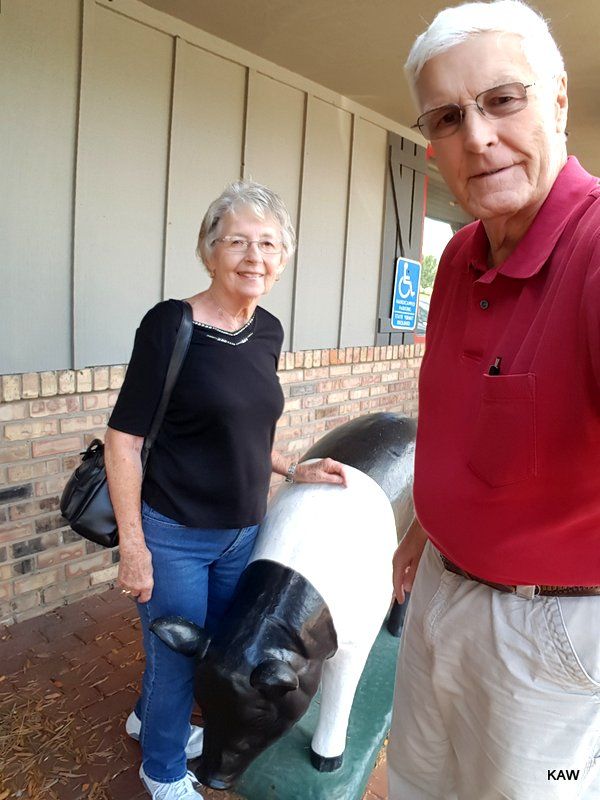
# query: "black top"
[[210, 466]]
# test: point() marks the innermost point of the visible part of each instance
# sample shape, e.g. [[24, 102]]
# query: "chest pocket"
[[503, 450]]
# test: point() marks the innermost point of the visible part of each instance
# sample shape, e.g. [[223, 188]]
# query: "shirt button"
[[483, 304]]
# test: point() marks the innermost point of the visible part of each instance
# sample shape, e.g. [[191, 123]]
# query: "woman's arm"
[[326, 470], [123, 461], [406, 559]]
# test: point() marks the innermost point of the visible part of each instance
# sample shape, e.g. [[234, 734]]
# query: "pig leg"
[[395, 620], [338, 686]]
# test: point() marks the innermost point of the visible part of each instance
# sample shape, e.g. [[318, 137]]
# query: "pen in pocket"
[[495, 368]]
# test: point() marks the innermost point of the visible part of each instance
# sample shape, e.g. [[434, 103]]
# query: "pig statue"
[[308, 606]]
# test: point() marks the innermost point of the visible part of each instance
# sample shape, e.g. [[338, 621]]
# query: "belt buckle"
[[527, 592]]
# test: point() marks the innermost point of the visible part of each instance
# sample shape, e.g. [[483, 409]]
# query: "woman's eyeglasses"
[[237, 244]]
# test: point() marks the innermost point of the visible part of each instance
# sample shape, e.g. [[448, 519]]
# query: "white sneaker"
[[177, 790], [193, 748]]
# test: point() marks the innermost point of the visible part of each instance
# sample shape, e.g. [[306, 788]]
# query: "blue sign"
[[406, 294]]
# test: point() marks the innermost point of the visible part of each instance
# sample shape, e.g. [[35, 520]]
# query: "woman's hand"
[[136, 576], [406, 559], [324, 471]]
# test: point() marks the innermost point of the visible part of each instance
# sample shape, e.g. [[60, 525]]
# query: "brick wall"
[[47, 418]]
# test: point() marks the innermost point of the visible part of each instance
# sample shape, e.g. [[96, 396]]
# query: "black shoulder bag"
[[85, 501]]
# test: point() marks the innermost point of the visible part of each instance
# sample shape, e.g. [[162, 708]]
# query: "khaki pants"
[[497, 697]]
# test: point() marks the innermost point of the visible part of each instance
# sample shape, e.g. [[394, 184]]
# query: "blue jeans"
[[196, 571]]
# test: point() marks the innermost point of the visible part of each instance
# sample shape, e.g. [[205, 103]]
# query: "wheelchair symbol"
[[405, 286]]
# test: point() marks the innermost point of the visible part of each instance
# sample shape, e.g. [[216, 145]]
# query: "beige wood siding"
[[123, 124], [39, 64], [323, 218], [365, 218], [273, 156], [206, 151], [121, 180]]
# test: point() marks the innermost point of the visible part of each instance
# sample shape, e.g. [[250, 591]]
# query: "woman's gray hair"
[[245, 194], [453, 25]]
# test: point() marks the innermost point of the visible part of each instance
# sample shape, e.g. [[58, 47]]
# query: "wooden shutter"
[[403, 224]]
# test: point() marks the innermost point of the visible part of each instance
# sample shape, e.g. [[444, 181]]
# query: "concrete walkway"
[[68, 680]]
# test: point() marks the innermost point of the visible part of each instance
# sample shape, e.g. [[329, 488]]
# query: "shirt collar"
[[571, 186]]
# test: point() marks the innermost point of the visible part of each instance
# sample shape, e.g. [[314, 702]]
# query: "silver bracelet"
[[291, 471]]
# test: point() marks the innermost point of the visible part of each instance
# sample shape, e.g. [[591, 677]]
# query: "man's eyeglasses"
[[501, 101], [237, 244]]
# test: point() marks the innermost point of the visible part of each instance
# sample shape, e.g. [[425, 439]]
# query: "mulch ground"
[[68, 680]]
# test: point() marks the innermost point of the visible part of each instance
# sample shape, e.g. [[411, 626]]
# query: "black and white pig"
[[308, 606]]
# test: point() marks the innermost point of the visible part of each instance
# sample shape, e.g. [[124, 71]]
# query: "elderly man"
[[498, 686]]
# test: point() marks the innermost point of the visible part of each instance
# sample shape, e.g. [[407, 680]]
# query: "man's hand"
[[406, 559]]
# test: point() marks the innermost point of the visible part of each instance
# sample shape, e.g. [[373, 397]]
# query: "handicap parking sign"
[[406, 294]]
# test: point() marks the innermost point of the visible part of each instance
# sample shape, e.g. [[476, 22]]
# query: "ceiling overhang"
[[358, 49]]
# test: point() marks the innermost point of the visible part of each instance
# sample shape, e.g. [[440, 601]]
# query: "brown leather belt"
[[525, 591]]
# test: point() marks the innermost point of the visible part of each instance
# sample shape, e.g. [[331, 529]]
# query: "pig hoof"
[[395, 620], [324, 764], [217, 784]]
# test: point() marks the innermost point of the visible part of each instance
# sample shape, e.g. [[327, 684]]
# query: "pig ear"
[[274, 678], [181, 635]]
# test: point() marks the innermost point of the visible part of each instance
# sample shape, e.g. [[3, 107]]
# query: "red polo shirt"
[[507, 473]]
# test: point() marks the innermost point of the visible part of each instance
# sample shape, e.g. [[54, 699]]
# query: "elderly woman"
[[186, 533], [498, 679]]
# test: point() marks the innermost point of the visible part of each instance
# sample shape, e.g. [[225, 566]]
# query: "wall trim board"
[[298, 224], [177, 46], [87, 43], [351, 175]]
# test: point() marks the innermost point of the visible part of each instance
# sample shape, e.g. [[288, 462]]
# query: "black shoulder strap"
[[180, 348]]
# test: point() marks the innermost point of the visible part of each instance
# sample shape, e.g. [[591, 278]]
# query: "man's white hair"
[[453, 25]]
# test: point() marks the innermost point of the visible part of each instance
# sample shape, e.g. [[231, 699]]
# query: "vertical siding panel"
[[39, 70], [365, 227], [322, 226], [121, 178], [206, 152], [388, 259], [274, 138]]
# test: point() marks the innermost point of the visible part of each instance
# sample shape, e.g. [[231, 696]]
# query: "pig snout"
[[244, 712]]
